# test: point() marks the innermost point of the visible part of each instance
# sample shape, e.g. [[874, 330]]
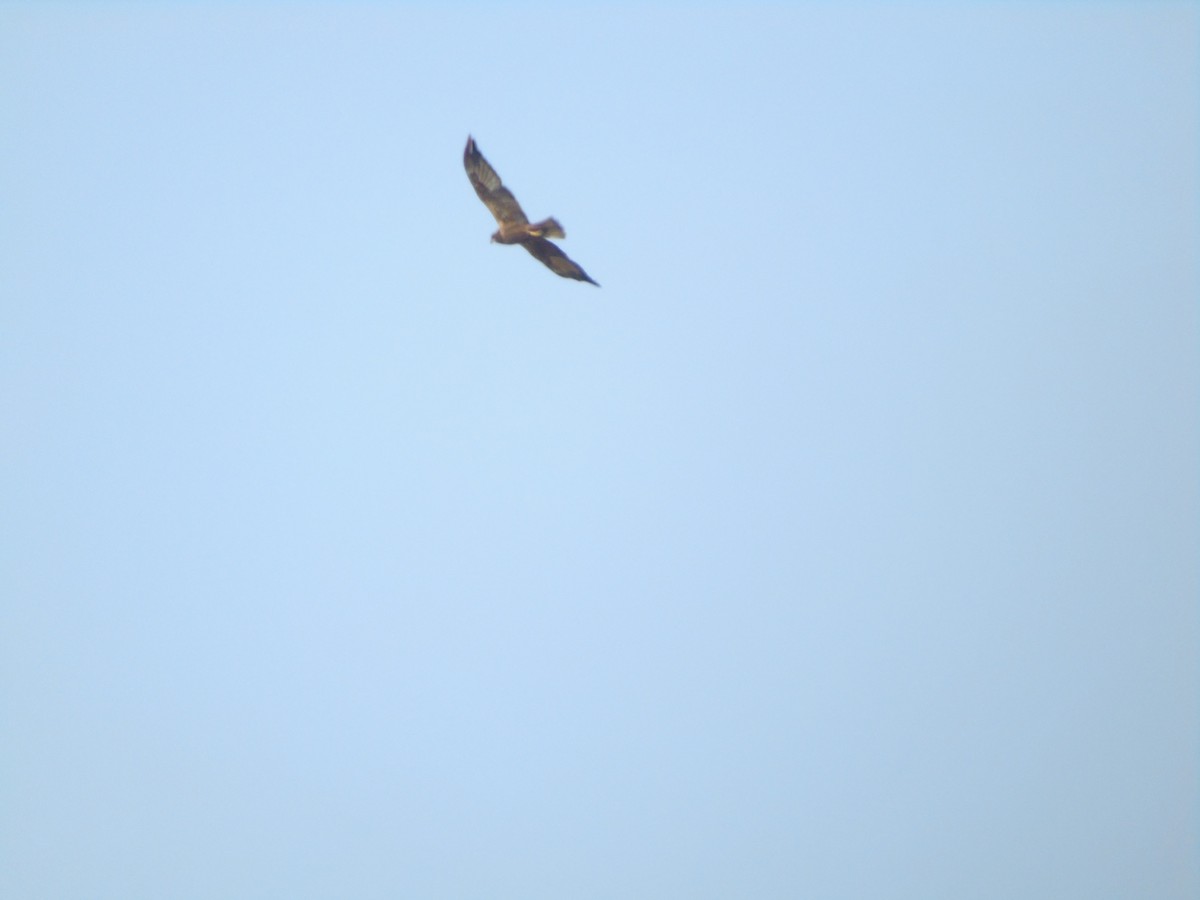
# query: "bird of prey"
[[515, 228]]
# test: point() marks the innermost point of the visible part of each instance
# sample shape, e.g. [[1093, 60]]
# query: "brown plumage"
[[515, 228]]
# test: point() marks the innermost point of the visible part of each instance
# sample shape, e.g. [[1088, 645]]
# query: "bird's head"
[[495, 236]]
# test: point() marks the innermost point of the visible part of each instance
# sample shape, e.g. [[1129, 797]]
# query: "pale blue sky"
[[843, 545]]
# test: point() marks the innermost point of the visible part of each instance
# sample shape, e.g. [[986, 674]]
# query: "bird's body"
[[512, 233], [515, 227]]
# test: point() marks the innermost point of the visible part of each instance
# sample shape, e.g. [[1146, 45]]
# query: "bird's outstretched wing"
[[555, 260], [495, 196]]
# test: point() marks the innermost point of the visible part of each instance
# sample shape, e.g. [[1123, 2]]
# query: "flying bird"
[[515, 228]]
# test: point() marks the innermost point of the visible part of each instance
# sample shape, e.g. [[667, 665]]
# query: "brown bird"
[[515, 228]]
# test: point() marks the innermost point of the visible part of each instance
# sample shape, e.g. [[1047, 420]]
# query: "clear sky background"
[[843, 545]]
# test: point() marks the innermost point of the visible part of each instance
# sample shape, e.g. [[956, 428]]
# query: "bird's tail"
[[548, 228]]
